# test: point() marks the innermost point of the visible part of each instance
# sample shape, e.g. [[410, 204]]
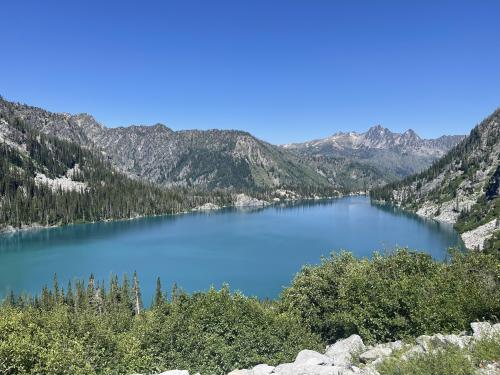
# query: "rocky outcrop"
[[207, 207], [243, 200], [475, 238], [375, 157], [351, 356]]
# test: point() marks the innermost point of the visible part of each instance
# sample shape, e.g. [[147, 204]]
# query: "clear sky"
[[284, 70]]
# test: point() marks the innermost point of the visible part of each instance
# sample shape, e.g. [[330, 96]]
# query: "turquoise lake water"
[[255, 251]]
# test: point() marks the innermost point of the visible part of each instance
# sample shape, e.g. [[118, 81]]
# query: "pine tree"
[[137, 295], [158, 299]]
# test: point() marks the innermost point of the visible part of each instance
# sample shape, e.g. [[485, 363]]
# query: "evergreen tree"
[[137, 295]]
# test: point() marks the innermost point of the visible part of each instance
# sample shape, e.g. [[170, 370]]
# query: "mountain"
[[461, 188], [374, 158], [206, 159], [46, 181]]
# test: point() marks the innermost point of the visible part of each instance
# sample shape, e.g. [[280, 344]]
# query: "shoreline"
[[10, 230], [469, 237]]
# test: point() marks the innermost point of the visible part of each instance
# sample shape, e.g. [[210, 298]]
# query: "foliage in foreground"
[[104, 333], [89, 330], [402, 295]]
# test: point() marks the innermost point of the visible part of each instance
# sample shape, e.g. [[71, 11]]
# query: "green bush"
[[212, 332], [404, 294]]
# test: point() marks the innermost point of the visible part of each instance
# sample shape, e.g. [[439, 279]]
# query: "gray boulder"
[[380, 351], [303, 369], [262, 369], [414, 351], [310, 357], [240, 372], [353, 370], [175, 372], [343, 350], [483, 330]]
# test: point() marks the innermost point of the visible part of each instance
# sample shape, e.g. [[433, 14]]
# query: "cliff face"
[[462, 188], [211, 159]]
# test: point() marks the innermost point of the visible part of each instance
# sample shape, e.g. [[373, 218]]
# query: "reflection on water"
[[257, 251]]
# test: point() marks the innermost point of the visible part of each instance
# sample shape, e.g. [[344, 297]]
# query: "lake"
[[255, 251]]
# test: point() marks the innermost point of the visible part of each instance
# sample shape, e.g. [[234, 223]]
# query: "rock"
[[302, 369], [262, 369], [475, 238], [380, 351], [424, 342], [484, 330], [414, 351], [490, 369], [207, 207], [395, 345], [240, 372], [460, 341], [175, 372], [243, 200], [353, 370], [310, 357], [343, 350]]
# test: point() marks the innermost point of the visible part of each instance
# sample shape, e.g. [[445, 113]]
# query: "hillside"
[[206, 159], [374, 158], [461, 188], [48, 181]]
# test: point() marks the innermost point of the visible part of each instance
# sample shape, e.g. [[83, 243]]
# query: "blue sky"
[[284, 70]]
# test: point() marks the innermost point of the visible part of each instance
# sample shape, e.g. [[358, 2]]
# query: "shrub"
[[400, 295]]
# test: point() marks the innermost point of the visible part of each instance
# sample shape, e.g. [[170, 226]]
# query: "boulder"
[[303, 369], [353, 370], [240, 372], [414, 351], [343, 350], [175, 372], [310, 357], [262, 369], [484, 330], [380, 351]]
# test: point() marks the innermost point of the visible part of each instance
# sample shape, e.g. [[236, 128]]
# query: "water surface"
[[255, 251]]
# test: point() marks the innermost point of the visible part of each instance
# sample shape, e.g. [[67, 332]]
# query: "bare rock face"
[[208, 159]]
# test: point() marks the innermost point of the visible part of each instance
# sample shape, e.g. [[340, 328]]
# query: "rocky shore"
[[351, 356]]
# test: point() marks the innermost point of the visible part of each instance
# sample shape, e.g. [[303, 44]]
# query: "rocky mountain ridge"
[[462, 188], [351, 356], [373, 158], [378, 137], [237, 160], [209, 159]]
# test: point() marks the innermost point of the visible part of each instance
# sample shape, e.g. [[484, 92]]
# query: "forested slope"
[[49, 181], [461, 188]]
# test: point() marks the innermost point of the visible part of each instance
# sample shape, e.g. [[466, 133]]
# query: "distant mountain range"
[[236, 159], [376, 157], [461, 188], [209, 159]]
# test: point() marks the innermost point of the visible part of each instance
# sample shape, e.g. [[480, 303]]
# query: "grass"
[[450, 360]]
